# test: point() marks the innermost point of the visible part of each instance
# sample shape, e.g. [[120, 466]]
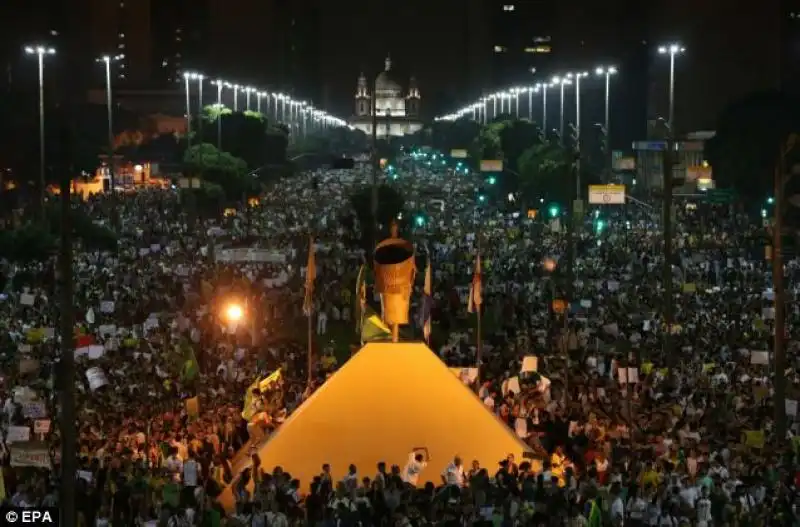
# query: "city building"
[[296, 33], [396, 115], [155, 40], [521, 40]]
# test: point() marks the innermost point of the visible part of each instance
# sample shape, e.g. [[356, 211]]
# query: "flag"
[[190, 365], [361, 298], [249, 408], [311, 275], [372, 327], [427, 303], [475, 299], [595, 515]]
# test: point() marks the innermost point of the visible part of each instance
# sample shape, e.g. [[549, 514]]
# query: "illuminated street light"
[[672, 50], [40, 52]]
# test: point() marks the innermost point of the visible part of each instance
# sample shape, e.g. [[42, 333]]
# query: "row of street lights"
[[508, 100], [292, 112], [299, 115]]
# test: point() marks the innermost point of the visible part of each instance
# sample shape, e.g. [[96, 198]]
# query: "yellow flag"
[[753, 438]]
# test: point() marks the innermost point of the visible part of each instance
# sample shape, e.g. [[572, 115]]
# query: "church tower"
[[413, 98], [362, 97]]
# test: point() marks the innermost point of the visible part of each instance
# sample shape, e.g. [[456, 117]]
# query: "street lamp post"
[[40, 52], [186, 77], [236, 97], [247, 92], [219, 84], [530, 102], [545, 87], [562, 81], [607, 72], [106, 60], [578, 77], [672, 50], [259, 95]]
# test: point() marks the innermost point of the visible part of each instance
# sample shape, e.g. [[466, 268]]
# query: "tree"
[[221, 169], [249, 136], [543, 168], [749, 134], [212, 112]]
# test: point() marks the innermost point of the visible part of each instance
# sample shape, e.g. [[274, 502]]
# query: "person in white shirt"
[[191, 470], [703, 509], [417, 461], [174, 465], [453, 474]]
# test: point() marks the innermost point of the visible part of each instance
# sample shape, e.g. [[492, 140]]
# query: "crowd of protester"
[[631, 426]]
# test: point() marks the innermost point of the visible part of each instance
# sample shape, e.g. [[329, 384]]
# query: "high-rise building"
[[158, 39], [297, 44], [521, 39]]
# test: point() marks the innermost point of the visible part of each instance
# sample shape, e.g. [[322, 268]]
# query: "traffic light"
[[492, 180], [553, 211], [599, 226], [419, 220], [481, 198]]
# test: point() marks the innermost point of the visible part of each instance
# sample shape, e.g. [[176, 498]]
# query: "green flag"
[[372, 327], [595, 515], [190, 368]]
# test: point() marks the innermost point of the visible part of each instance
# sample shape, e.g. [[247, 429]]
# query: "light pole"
[[607, 72], [199, 78], [562, 81], [672, 50], [236, 97], [545, 87], [186, 77], [578, 77], [40, 52], [530, 101], [247, 91], [219, 84], [107, 60], [259, 95]]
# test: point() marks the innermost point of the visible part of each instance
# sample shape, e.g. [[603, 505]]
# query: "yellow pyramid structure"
[[386, 401]]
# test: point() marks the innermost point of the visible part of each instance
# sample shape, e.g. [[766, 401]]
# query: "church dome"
[[384, 82]]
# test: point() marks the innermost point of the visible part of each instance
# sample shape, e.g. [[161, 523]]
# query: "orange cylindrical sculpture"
[[394, 278]]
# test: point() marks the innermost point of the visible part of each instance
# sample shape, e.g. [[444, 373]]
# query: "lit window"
[[538, 49], [122, 5], [508, 7], [53, 32], [121, 75], [164, 63], [499, 49], [539, 40], [121, 45], [177, 39], [121, 35], [178, 30]]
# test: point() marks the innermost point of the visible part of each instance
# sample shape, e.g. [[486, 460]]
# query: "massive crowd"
[[628, 433]]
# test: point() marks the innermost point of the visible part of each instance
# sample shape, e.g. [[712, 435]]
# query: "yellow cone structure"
[[389, 399]]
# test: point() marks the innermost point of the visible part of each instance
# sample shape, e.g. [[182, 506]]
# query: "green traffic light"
[[492, 180], [420, 221], [770, 200], [600, 225], [553, 211], [481, 198]]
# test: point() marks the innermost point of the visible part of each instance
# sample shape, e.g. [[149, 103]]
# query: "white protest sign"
[[93, 352], [511, 385], [107, 329], [34, 410], [154, 247], [759, 357], [529, 363], [96, 377], [791, 407], [107, 306], [27, 299], [628, 375], [18, 434]]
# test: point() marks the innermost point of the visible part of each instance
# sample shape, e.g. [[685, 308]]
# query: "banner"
[[26, 455], [18, 434], [607, 194]]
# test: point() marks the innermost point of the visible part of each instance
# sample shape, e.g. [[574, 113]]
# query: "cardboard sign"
[[30, 456], [96, 377], [18, 434], [41, 426], [34, 410]]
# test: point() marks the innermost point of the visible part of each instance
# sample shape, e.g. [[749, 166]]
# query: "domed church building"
[[396, 114]]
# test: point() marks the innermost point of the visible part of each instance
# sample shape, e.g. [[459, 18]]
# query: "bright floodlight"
[[234, 313], [556, 80], [672, 49]]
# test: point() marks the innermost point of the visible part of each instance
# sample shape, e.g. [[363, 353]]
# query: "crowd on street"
[[636, 421]]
